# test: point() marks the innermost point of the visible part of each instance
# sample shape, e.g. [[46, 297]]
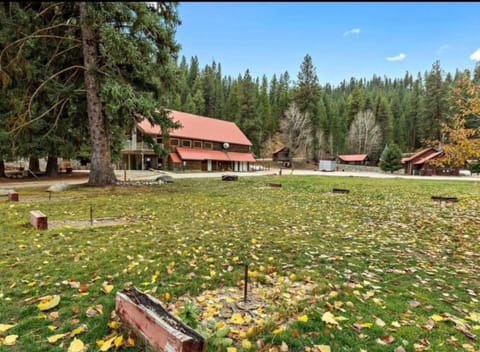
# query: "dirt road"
[[81, 177]]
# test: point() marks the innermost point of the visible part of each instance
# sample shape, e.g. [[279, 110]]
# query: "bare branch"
[[48, 8], [18, 128], [364, 134], [48, 79], [57, 118], [24, 39], [62, 52]]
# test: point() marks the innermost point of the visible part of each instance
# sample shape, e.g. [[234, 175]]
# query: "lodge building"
[[201, 143]]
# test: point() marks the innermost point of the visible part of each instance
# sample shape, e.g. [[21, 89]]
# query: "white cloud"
[[443, 48], [475, 55], [352, 31], [398, 57]]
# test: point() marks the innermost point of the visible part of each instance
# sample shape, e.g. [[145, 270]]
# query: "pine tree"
[[307, 95], [391, 158], [434, 103], [355, 104], [476, 74], [248, 121], [264, 112], [117, 57], [413, 117]]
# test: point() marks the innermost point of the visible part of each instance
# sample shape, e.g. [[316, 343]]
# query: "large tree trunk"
[[52, 166], [2, 168], [34, 164], [101, 170]]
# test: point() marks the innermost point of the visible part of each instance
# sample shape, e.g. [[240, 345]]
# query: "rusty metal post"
[[245, 290]]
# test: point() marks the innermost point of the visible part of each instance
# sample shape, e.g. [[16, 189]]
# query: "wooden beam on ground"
[[162, 331], [340, 190]]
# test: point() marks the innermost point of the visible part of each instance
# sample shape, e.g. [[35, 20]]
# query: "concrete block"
[[13, 196], [39, 220]]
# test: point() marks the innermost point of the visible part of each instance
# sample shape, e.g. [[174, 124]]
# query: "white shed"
[[327, 165]]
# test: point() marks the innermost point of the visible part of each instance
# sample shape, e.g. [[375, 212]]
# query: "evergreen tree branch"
[[61, 53], [24, 39], [57, 117], [41, 13], [46, 81], [29, 122]]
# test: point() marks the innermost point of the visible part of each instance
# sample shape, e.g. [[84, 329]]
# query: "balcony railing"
[[139, 146]]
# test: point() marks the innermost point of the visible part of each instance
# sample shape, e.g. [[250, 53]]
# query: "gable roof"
[[281, 149], [427, 158], [353, 157], [424, 154], [199, 127]]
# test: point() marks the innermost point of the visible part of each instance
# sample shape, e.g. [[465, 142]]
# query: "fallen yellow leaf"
[[55, 338], [323, 348], [130, 341], [5, 327], [303, 318], [106, 288], [118, 341], [437, 317], [10, 340], [49, 302], [108, 344], [278, 331], [329, 318], [246, 344], [236, 319], [76, 346], [78, 330], [113, 324], [474, 316]]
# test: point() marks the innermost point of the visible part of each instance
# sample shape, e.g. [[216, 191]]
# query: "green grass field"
[[383, 268]]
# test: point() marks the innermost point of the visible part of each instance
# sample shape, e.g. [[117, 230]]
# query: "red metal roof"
[[201, 128], [424, 154], [208, 154], [353, 157], [175, 158], [415, 155], [426, 158], [235, 156], [201, 154]]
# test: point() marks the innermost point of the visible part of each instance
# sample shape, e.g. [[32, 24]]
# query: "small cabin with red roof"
[[418, 163], [201, 143], [353, 159]]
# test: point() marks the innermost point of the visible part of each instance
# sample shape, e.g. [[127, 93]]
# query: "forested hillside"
[[357, 116]]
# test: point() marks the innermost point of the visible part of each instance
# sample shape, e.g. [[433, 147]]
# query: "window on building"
[[186, 143], [173, 141], [207, 145], [197, 144], [159, 139]]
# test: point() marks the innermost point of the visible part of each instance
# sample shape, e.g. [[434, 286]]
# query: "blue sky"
[[344, 39]]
